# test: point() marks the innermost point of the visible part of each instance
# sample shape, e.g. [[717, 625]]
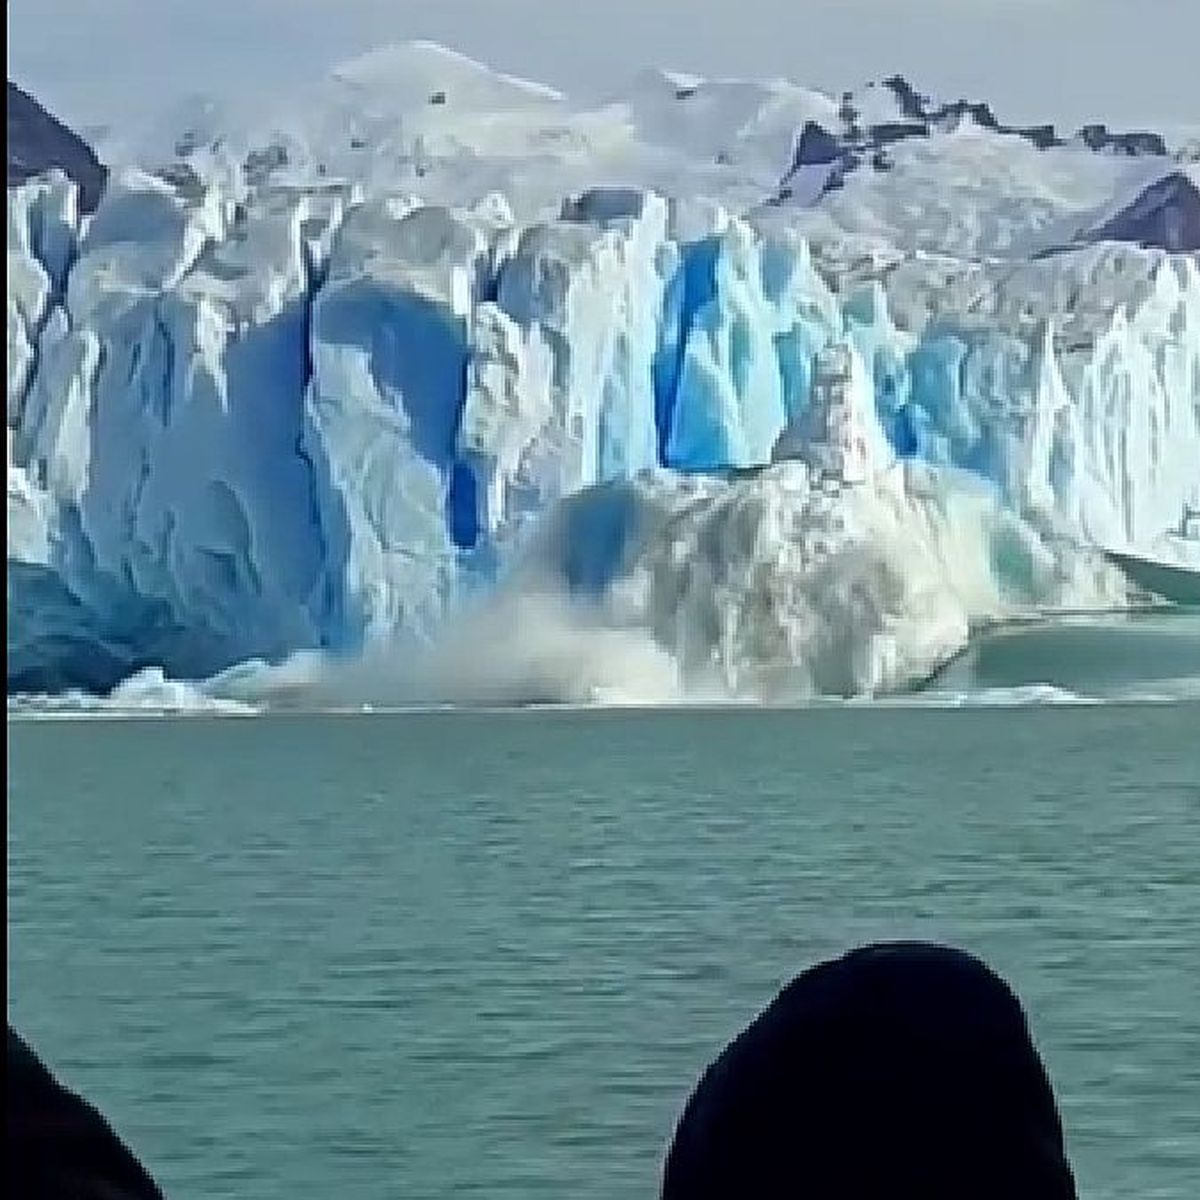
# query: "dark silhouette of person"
[[58, 1146], [899, 1070]]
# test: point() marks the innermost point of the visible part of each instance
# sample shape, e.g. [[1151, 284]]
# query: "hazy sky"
[[1126, 61]]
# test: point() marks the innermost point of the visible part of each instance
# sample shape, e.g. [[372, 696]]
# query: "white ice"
[[332, 402]]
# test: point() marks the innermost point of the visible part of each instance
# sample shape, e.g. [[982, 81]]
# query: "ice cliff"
[[251, 417]]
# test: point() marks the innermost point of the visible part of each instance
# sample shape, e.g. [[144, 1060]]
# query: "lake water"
[[487, 954]]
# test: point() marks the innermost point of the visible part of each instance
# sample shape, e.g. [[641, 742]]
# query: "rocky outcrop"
[[37, 143], [1165, 216], [817, 147], [1136, 144], [858, 142]]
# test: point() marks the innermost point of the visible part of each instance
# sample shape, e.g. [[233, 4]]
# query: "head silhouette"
[[898, 1070], [57, 1146]]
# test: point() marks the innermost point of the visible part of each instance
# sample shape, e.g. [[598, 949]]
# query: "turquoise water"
[[488, 953], [1121, 656]]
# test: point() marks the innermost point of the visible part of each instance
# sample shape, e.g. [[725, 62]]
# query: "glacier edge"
[[245, 424]]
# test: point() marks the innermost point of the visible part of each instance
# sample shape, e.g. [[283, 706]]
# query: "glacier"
[[254, 416]]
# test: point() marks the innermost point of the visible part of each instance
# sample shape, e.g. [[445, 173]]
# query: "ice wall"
[[1096, 423], [246, 422], [163, 428]]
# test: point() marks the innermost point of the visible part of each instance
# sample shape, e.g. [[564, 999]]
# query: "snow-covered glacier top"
[[800, 409]]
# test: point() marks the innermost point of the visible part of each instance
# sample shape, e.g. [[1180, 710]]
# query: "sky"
[[1128, 62]]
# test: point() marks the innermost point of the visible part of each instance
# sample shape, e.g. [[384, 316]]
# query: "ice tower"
[[837, 434]]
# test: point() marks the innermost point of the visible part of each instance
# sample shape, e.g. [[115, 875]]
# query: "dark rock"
[[817, 147], [37, 143], [1141, 143], [913, 105], [1042, 136], [438, 98], [1165, 216], [897, 1070], [57, 1144], [980, 113], [845, 150], [886, 134], [603, 204], [1135, 144]]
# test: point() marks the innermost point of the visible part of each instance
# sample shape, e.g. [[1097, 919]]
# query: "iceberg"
[[255, 414]]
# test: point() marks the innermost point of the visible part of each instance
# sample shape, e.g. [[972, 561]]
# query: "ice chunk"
[[838, 432], [781, 586]]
